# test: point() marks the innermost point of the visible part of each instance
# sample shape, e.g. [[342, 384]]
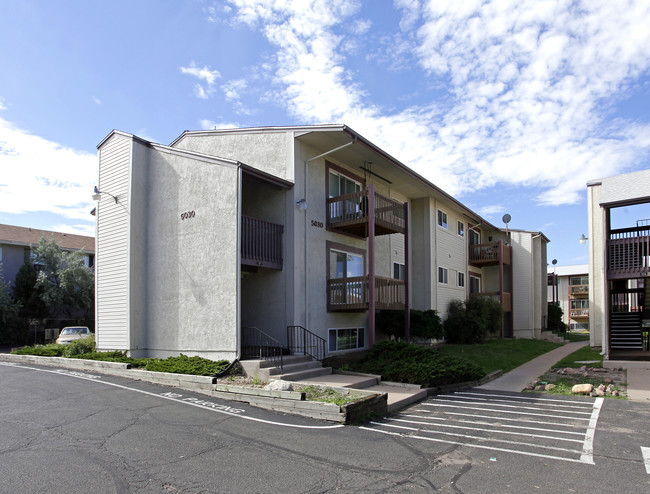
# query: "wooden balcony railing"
[[489, 254], [349, 213], [579, 313], [628, 253], [506, 302], [261, 243], [578, 290], [349, 294]]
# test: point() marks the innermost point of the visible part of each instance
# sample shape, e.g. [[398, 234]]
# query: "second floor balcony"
[[353, 293], [628, 253], [261, 243], [579, 290], [579, 313], [350, 213], [489, 254]]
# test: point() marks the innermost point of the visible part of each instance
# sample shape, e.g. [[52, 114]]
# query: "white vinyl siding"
[[522, 281], [112, 256]]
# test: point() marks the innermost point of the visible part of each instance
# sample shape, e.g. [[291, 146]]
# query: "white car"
[[71, 333]]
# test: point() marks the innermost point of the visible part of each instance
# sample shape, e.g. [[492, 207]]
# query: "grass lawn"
[[584, 354], [500, 354], [576, 336]]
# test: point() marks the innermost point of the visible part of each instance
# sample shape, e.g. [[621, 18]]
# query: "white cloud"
[[529, 86], [44, 176], [232, 89], [492, 209], [205, 74], [211, 125], [97, 101]]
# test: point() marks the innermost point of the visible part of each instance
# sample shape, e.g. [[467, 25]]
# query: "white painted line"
[[491, 403], [509, 411], [478, 446], [477, 438], [554, 405], [498, 424], [203, 404], [645, 452], [588, 446], [494, 431], [502, 419], [532, 398]]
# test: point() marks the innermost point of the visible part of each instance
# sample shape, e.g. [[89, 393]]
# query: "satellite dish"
[[506, 218], [554, 261]]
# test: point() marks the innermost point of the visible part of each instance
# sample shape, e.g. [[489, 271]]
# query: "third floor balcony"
[[489, 254]]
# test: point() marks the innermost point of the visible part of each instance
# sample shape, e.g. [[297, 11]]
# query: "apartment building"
[[568, 286], [284, 235], [619, 267]]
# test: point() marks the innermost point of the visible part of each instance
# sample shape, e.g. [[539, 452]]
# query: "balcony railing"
[[578, 290], [506, 302], [579, 313], [349, 294], [628, 252], [349, 213], [489, 254], [261, 243]]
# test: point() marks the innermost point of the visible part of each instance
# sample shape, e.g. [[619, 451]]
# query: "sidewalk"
[[517, 379]]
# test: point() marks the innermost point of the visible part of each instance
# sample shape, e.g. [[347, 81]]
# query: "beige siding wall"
[[598, 293], [112, 249], [522, 300]]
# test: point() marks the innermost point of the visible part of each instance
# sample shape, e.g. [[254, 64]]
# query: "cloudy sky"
[[510, 106]]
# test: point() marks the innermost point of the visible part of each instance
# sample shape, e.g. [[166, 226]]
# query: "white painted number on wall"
[[189, 214]]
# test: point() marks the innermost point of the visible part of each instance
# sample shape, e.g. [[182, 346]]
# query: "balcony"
[[579, 313], [578, 290], [505, 301], [261, 243], [349, 214], [352, 294], [628, 253], [489, 254]]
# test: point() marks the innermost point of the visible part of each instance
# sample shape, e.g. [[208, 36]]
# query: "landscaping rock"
[[549, 387], [600, 392], [539, 388], [279, 385], [583, 389]]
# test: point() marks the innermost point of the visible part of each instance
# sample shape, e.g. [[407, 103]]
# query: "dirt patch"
[[562, 379]]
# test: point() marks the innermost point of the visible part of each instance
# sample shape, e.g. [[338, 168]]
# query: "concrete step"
[[399, 396], [286, 360], [343, 381], [295, 367], [305, 374]]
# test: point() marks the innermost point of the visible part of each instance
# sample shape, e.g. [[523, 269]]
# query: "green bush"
[[51, 350], [472, 321], [404, 362], [424, 324], [555, 322], [187, 365], [79, 347]]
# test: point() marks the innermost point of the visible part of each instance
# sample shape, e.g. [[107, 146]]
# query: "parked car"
[[71, 333]]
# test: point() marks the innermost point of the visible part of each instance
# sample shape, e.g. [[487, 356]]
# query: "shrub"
[[79, 347], [424, 324], [473, 320], [555, 322], [187, 365], [404, 362]]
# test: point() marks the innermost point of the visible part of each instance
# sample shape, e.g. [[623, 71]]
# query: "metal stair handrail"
[[301, 340], [256, 344]]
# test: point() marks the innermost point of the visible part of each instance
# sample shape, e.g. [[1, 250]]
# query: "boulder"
[[583, 389], [279, 385]]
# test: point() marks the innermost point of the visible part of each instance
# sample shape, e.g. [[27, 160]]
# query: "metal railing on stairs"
[[256, 344], [303, 341]]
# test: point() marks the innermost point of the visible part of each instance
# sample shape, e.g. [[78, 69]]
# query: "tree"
[[65, 283], [472, 321], [27, 294], [8, 306]]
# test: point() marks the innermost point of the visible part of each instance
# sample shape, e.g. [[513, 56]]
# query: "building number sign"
[[317, 224], [187, 215]]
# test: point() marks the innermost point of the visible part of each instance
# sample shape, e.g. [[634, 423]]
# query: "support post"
[[371, 265], [407, 293]]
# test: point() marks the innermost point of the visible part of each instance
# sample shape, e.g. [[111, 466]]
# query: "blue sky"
[[510, 106]]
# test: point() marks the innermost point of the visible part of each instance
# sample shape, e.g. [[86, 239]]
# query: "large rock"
[[583, 389], [279, 385]]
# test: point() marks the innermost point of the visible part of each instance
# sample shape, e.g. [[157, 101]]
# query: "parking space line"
[[509, 411], [588, 447], [554, 405], [502, 405], [478, 446], [645, 452], [532, 398], [504, 419]]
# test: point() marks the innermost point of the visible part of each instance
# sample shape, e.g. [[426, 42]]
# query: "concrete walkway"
[[517, 379]]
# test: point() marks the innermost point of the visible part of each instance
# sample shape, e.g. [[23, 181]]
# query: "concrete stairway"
[[294, 368], [549, 336]]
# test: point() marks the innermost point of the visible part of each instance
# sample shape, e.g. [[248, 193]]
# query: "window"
[[474, 284], [341, 185], [474, 237], [577, 326], [461, 279], [442, 275], [579, 280], [398, 271], [345, 264], [580, 304], [461, 229], [346, 272], [442, 219], [346, 339]]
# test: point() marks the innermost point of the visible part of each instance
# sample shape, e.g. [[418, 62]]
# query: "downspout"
[[306, 174]]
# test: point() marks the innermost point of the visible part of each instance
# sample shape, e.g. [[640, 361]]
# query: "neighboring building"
[[17, 242], [570, 290], [203, 243], [619, 265]]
